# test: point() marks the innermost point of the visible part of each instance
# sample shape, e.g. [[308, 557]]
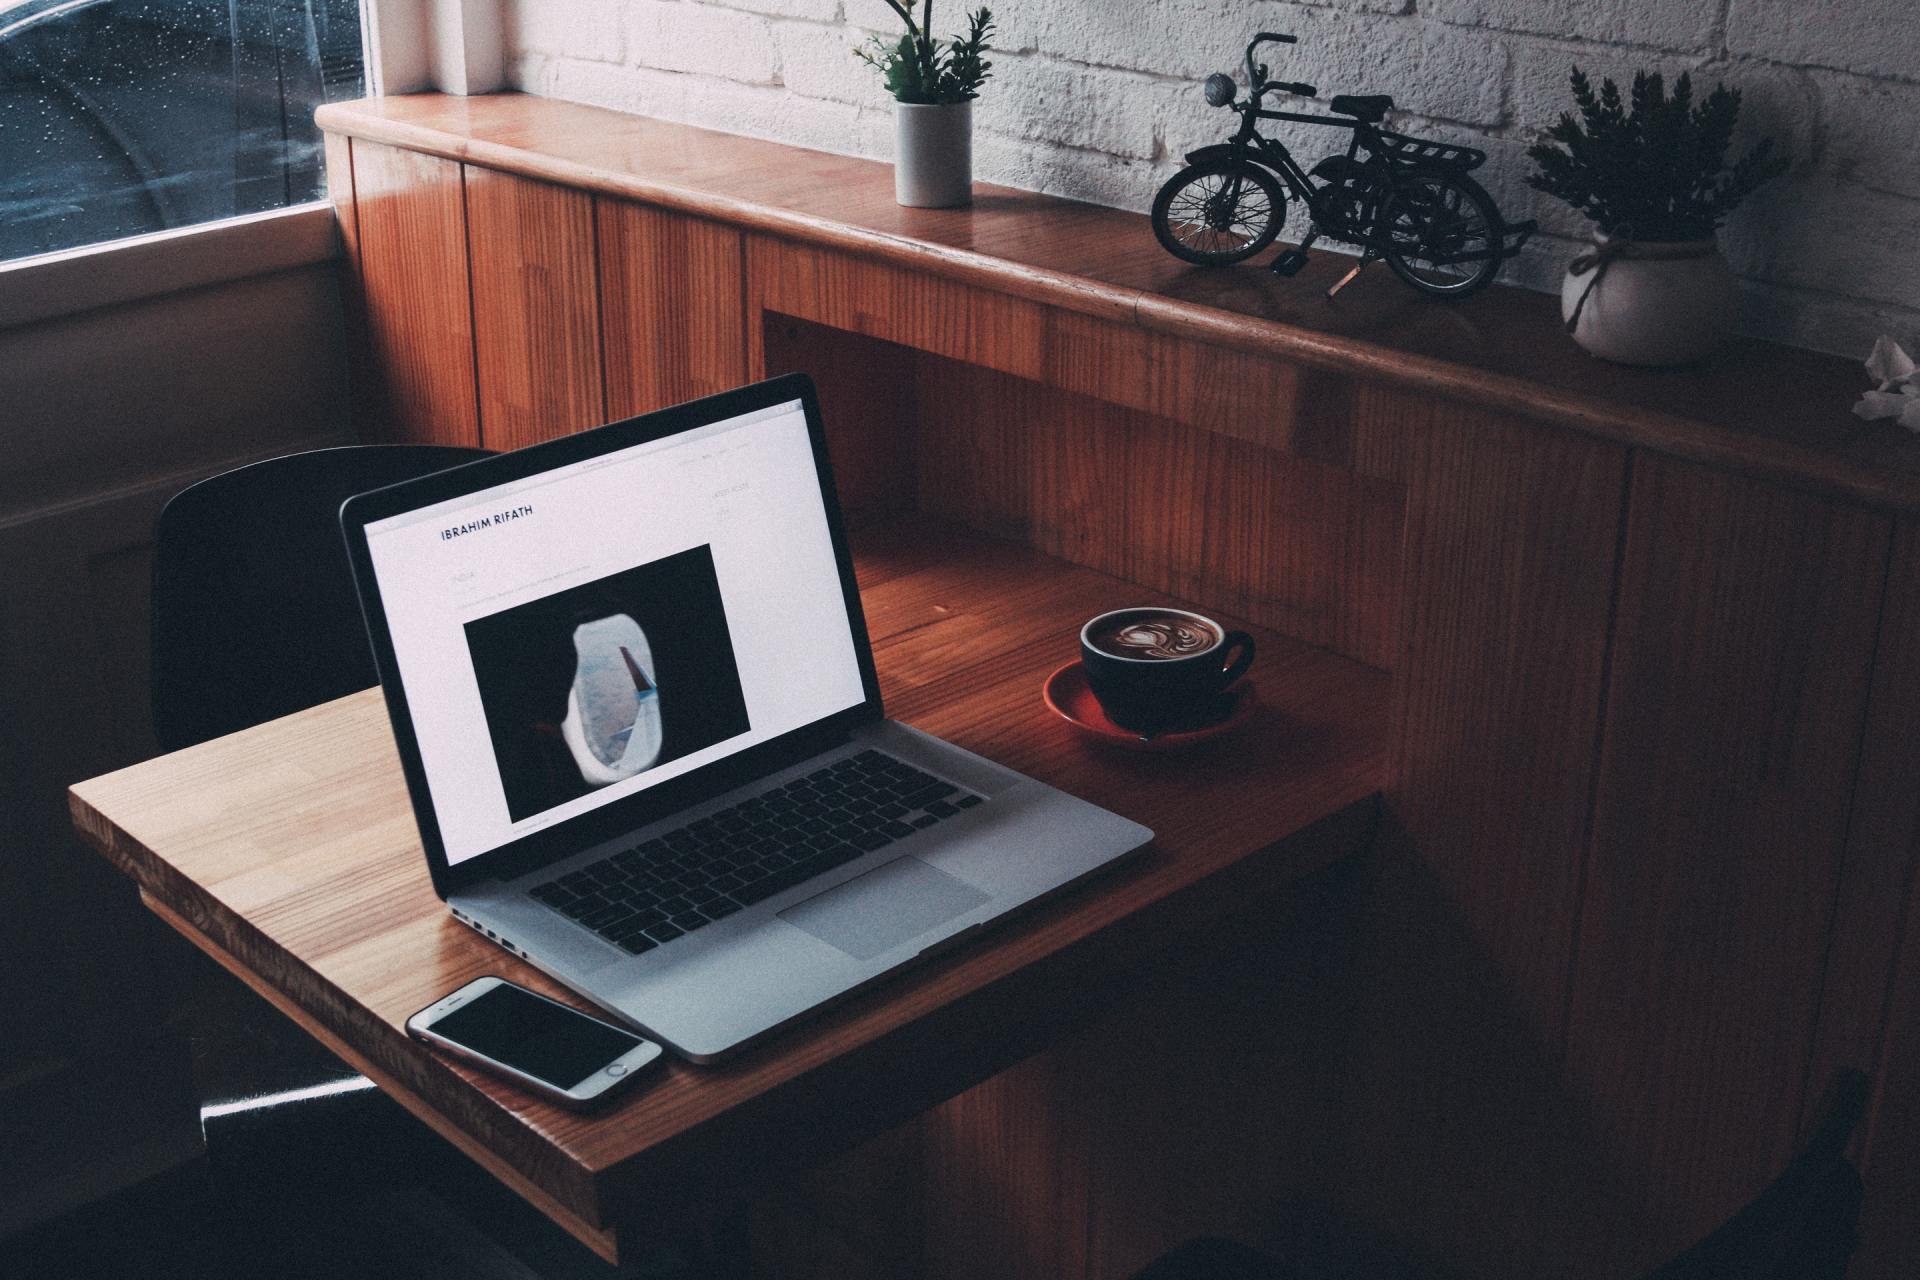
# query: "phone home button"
[[616, 1070]]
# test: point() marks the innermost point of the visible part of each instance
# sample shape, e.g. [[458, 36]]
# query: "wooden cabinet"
[[1743, 640], [415, 382], [536, 309], [1869, 995], [673, 327], [1648, 871]]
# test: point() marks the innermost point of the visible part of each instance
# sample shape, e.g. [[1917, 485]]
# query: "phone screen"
[[528, 1033]]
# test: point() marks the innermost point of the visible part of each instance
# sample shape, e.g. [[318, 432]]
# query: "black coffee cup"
[[1155, 669]]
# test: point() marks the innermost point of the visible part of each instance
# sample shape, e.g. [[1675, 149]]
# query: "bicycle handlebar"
[[1256, 76]]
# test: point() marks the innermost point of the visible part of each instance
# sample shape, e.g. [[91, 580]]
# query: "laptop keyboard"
[[673, 884]]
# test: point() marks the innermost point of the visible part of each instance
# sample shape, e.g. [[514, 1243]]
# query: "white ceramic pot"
[[1653, 303], [933, 154]]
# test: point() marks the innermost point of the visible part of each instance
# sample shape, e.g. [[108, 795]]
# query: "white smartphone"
[[550, 1048]]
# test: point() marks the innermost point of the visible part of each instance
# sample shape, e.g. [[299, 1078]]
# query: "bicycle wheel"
[[1218, 212], [1433, 225]]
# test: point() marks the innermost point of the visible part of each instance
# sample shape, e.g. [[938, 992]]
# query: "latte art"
[[1151, 636]]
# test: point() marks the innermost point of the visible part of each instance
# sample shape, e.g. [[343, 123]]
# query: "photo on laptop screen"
[[603, 681]]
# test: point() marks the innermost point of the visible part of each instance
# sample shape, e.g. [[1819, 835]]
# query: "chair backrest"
[[1805, 1225], [254, 610]]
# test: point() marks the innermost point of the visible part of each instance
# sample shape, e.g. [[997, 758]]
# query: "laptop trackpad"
[[884, 908]]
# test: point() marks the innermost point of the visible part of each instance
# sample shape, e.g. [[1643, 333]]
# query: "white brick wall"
[[1097, 99]]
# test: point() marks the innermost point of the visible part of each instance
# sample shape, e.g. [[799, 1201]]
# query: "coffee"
[[1151, 636], [1153, 668]]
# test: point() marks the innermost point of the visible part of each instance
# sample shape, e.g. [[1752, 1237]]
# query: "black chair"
[[254, 617], [1804, 1226], [254, 611]]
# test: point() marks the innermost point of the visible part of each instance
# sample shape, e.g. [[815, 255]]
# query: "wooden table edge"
[[176, 899], [604, 1241]]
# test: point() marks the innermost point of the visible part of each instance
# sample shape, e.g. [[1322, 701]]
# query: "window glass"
[[122, 117]]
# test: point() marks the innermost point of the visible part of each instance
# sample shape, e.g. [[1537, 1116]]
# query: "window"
[[122, 117]]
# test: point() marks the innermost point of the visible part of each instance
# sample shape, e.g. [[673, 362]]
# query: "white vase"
[[933, 154], [1651, 302]]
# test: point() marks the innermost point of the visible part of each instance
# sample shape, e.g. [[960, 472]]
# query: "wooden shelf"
[[290, 853], [1757, 407]]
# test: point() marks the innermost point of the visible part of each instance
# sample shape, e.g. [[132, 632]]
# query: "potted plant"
[[933, 86], [1652, 174]]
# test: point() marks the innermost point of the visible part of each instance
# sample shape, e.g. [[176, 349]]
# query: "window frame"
[[408, 46], [48, 286]]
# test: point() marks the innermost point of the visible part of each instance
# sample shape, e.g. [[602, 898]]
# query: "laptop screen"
[[581, 635]]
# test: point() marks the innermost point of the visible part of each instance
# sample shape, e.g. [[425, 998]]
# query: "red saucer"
[[1068, 696]]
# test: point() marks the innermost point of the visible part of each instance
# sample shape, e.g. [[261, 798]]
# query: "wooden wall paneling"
[[1198, 1110], [1374, 428], [981, 327], [1889, 1221], [1305, 548], [339, 160], [1005, 1192], [96, 1081], [1235, 393], [1297, 409], [867, 400], [1248, 396], [1020, 461], [673, 318], [412, 232], [1080, 495], [363, 382], [857, 1217], [1742, 649], [1869, 1015], [1109, 360], [1449, 1115], [536, 309], [975, 439], [1228, 1072], [1308, 549], [1510, 549], [923, 311]]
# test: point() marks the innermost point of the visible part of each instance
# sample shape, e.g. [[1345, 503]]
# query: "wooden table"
[[289, 853]]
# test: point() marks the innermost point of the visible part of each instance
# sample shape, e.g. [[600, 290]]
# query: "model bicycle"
[[1406, 200]]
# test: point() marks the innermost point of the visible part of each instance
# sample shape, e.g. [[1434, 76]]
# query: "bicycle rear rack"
[[1409, 152]]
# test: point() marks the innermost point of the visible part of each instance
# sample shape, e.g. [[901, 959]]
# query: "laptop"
[[633, 695]]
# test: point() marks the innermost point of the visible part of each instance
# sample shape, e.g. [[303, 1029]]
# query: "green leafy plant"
[[1653, 167], [920, 68]]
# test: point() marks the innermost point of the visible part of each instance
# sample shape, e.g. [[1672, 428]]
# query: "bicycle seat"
[[1367, 107]]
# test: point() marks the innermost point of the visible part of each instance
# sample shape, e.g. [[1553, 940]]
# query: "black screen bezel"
[[562, 839]]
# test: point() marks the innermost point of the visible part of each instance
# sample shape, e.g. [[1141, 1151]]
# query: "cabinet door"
[[413, 367], [1743, 643], [1453, 1120], [1511, 540], [671, 305], [1866, 1023], [536, 311]]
